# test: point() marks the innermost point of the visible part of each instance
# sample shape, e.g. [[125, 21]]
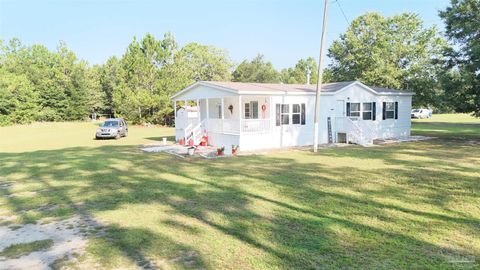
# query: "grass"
[[398, 206], [448, 125], [18, 250]]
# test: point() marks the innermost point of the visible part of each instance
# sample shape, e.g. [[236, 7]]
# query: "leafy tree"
[[152, 70], [97, 100], [298, 74], [396, 52], [17, 99], [136, 95], [462, 81], [193, 62], [109, 79], [257, 70], [58, 80]]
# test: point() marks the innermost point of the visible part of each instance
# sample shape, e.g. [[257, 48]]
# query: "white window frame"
[[251, 111], [367, 111], [282, 114], [359, 112], [247, 113], [299, 113], [392, 110]]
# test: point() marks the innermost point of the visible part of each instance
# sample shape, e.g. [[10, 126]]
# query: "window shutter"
[[348, 108], [374, 111], [396, 109], [277, 110], [384, 112], [303, 114]]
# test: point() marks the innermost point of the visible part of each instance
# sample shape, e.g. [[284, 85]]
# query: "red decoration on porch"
[[181, 141], [264, 108], [190, 142], [204, 141]]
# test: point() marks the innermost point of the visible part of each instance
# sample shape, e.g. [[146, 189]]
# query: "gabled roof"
[[278, 88]]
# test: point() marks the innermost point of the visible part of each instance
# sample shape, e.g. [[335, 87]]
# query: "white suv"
[[421, 113]]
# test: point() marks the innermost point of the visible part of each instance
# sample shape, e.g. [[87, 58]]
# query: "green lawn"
[[448, 125], [399, 206]]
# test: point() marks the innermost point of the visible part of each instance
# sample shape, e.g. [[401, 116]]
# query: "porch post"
[[175, 109], [270, 113], [198, 111], [206, 101], [223, 110], [239, 113]]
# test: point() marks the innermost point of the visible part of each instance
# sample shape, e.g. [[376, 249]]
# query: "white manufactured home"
[[262, 116]]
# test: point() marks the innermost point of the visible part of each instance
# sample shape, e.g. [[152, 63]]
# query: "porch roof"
[[244, 88]]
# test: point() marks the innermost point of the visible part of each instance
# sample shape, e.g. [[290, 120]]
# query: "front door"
[[340, 108]]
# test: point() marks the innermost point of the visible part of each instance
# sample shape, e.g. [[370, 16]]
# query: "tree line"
[[37, 84]]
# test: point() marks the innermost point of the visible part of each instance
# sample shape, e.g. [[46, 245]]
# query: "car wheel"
[[117, 136], [125, 134]]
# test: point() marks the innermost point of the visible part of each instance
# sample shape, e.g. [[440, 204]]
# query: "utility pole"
[[319, 80]]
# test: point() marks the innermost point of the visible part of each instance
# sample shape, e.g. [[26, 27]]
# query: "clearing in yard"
[[396, 206]]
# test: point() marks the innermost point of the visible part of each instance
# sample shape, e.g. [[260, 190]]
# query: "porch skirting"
[[222, 139]]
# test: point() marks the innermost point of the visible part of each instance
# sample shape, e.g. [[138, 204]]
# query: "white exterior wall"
[[381, 129], [287, 135], [300, 135], [392, 128]]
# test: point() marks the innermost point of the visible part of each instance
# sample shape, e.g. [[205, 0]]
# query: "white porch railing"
[[231, 126], [237, 126], [255, 125], [357, 131]]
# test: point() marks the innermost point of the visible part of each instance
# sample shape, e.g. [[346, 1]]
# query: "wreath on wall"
[[230, 108]]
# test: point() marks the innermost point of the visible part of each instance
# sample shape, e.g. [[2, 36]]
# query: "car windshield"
[[416, 110], [110, 124]]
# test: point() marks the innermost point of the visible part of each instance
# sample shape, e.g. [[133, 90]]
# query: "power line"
[[343, 12]]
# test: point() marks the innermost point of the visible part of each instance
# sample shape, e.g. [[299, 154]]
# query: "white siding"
[[299, 135]]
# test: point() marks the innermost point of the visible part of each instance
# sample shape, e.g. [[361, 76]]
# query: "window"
[[296, 114], [285, 116], [251, 110], [254, 107], [111, 123], [354, 110], [389, 110], [367, 111]]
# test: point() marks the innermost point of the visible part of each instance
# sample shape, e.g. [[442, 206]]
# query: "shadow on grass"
[[301, 211]]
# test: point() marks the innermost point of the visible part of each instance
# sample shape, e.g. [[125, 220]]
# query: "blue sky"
[[284, 31]]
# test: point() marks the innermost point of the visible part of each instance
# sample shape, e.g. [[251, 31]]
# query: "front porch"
[[222, 119]]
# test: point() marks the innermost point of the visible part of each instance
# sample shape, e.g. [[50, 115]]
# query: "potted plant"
[[234, 149], [220, 151], [203, 142]]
